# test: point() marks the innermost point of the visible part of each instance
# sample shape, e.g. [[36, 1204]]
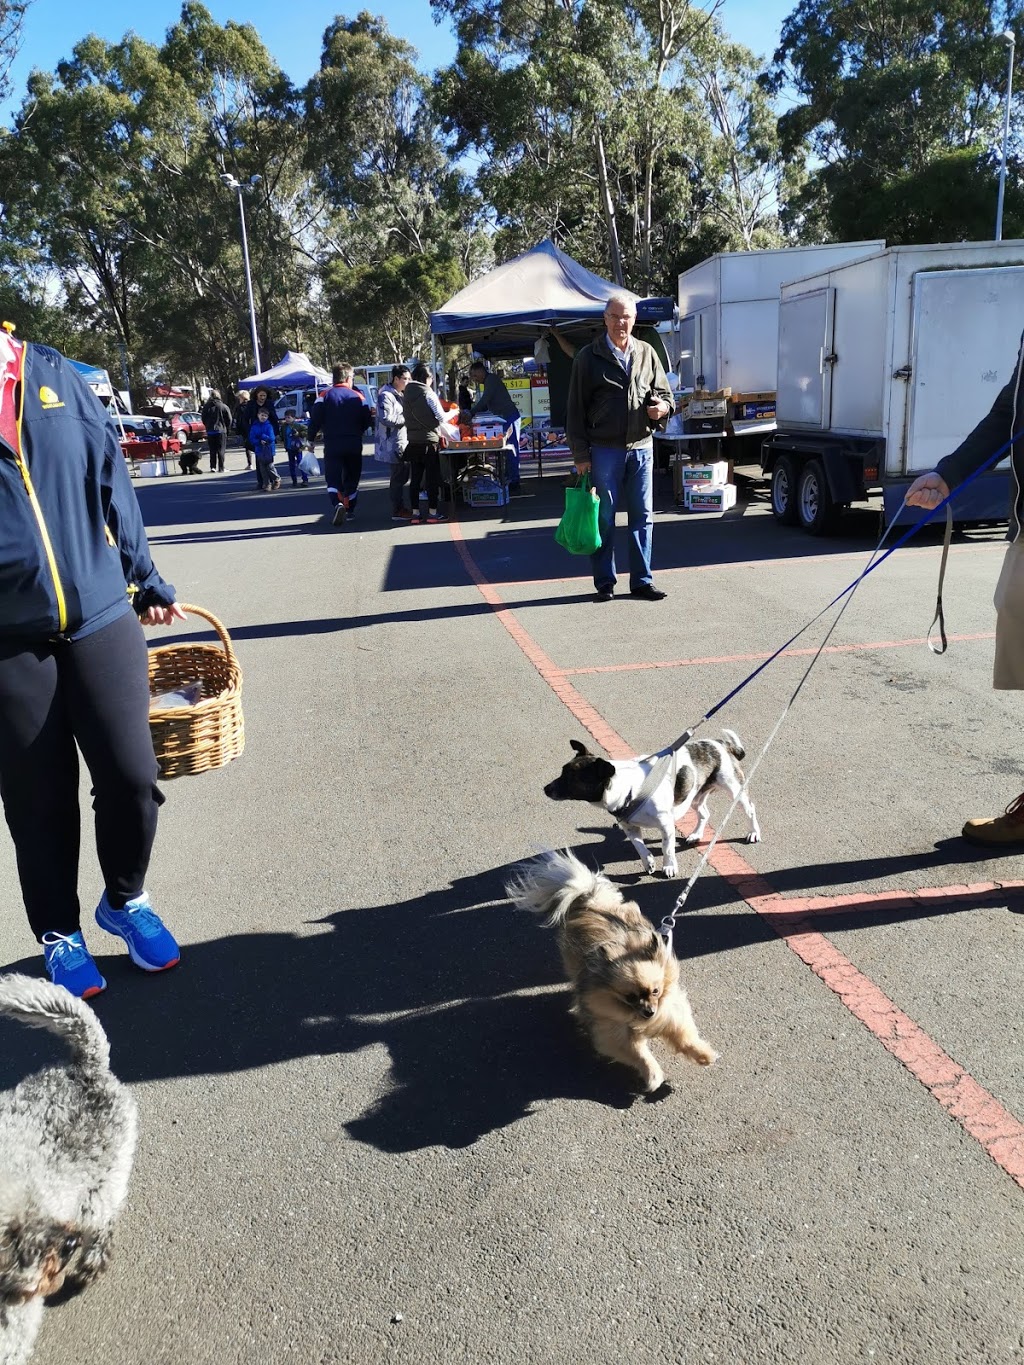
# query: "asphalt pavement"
[[369, 1129]]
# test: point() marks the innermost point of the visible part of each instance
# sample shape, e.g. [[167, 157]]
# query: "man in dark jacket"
[[497, 399], [1005, 419], [618, 394], [343, 415], [424, 418], [216, 419]]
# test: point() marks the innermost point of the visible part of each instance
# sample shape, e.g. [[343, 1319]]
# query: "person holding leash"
[[1005, 418], [618, 394], [76, 578]]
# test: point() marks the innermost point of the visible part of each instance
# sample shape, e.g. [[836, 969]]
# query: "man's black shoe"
[[604, 595], [648, 592]]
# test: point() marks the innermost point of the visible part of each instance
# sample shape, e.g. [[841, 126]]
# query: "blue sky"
[[293, 32]]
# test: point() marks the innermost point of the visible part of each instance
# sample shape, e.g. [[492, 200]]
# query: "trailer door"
[[965, 334], [806, 358]]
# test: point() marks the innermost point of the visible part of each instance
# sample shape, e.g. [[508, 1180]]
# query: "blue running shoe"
[[150, 945], [69, 964]]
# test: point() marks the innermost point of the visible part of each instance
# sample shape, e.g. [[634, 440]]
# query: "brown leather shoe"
[[1000, 831]]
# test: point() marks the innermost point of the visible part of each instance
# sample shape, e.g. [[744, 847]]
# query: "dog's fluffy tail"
[[551, 884], [42, 1005], [734, 744]]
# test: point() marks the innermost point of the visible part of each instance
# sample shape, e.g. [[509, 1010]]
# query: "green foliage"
[[900, 107]]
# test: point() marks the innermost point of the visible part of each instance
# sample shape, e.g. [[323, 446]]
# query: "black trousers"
[[343, 469], [217, 440], [57, 697], [425, 469]]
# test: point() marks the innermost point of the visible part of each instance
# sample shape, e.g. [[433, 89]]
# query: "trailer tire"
[[817, 513], [784, 481]]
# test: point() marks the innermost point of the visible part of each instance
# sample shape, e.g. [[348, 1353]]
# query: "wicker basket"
[[210, 733]]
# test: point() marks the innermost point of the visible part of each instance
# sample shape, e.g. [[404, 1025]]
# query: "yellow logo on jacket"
[[48, 398]]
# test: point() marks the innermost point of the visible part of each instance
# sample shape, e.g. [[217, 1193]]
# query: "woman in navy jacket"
[[76, 578]]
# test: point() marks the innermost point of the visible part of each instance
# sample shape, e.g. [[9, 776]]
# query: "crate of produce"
[[703, 499], [483, 492], [706, 475]]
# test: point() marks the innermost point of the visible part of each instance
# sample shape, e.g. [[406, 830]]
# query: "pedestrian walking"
[[291, 434], [216, 418], [264, 444], [73, 665], [424, 417], [343, 416], [260, 400], [1005, 418], [392, 440], [618, 395]]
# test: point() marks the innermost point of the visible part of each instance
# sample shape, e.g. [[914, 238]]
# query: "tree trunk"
[[608, 207]]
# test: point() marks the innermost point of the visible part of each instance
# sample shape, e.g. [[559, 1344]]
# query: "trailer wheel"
[[784, 481], [817, 512]]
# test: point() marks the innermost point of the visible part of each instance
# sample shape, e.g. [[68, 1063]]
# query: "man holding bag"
[[618, 395], [392, 439]]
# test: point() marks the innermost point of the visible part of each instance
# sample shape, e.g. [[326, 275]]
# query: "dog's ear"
[[578, 747], [653, 948]]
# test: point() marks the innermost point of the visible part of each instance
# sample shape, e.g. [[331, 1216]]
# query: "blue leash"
[[872, 565]]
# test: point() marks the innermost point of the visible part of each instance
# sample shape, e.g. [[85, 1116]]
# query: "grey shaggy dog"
[[67, 1140]]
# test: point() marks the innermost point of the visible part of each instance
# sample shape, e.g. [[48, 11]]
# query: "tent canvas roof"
[[293, 371], [508, 309]]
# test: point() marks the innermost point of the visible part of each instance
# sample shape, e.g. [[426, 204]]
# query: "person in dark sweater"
[[76, 578], [424, 417], [216, 419], [1005, 419], [343, 416], [260, 399]]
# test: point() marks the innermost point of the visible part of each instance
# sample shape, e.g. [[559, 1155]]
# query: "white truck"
[[884, 365], [729, 312]]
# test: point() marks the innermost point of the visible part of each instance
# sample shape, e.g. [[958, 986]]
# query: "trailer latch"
[[904, 373]]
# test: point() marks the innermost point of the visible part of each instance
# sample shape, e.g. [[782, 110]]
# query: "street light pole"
[[1010, 39], [234, 184]]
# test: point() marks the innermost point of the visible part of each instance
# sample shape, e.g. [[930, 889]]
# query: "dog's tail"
[[551, 884], [41, 1005], [734, 744]]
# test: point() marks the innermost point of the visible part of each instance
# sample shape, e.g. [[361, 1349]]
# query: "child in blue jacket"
[[292, 433], [264, 444]]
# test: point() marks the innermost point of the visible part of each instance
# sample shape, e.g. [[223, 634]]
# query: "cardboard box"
[[705, 499], [751, 412], [711, 393], [697, 426], [707, 475], [767, 397], [707, 407]]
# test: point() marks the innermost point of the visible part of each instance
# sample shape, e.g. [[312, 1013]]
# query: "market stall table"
[[494, 452], [683, 446]]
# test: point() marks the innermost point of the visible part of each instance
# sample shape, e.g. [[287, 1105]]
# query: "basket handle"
[[218, 626]]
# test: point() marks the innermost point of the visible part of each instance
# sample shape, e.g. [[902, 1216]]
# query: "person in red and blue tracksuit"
[[343, 416], [73, 666]]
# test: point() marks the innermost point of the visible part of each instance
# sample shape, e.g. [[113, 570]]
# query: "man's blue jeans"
[[623, 476]]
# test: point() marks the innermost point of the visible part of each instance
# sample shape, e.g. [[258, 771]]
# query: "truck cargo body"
[[885, 365], [729, 312]]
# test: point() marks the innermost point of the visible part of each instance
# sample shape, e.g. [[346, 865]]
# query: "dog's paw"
[[752, 838], [671, 870], [662, 1093], [653, 1081], [688, 841]]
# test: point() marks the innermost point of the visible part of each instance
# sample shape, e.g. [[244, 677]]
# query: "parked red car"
[[187, 426]]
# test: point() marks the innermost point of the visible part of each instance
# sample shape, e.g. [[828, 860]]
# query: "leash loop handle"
[[940, 615]]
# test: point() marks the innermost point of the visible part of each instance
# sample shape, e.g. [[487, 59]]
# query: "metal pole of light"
[[248, 285], [1010, 39]]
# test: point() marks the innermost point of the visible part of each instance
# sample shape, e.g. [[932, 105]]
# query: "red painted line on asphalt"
[[974, 1108], [874, 902], [755, 658], [795, 561]]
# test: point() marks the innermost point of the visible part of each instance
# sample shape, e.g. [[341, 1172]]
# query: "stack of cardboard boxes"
[[706, 487]]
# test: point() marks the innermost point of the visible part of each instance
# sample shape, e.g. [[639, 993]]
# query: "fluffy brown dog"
[[625, 979]]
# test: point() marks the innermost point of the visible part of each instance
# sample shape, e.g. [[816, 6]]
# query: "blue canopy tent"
[[97, 379], [294, 371], [505, 312]]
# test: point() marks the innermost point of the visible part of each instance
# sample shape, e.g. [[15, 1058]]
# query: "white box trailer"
[[885, 365], [729, 312]]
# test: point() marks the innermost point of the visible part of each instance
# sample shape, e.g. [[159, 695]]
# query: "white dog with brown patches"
[[699, 766]]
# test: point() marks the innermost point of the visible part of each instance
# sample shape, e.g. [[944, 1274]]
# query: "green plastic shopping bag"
[[578, 530]]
